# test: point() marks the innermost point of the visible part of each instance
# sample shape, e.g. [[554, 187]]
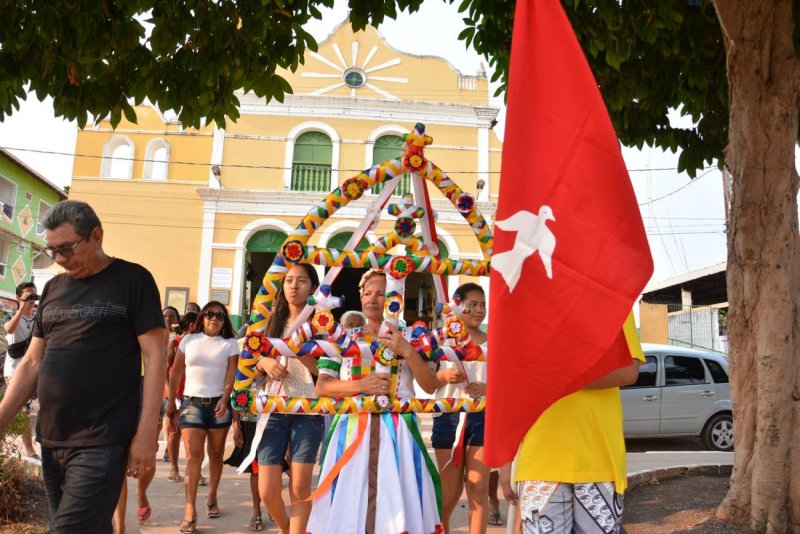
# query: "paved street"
[[166, 497]]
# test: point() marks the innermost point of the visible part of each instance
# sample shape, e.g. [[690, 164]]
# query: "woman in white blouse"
[[209, 357]]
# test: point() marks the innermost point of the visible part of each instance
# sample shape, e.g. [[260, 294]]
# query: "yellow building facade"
[[206, 210]]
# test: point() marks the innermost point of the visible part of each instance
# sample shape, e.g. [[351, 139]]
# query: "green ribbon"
[[411, 423]]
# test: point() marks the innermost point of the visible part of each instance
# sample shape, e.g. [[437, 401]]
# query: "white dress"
[[408, 493]]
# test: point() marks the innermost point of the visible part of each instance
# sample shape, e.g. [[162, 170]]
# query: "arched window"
[[118, 158], [390, 147], [339, 241], [156, 160], [311, 162]]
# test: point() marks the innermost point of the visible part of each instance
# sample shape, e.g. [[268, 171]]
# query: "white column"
[[217, 145], [335, 164], [686, 297], [483, 162], [238, 282], [204, 275], [369, 152], [288, 159]]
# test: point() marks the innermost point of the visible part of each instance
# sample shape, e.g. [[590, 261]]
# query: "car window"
[[647, 374], [683, 371], [717, 371]]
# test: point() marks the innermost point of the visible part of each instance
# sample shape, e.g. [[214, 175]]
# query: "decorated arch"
[[318, 334]]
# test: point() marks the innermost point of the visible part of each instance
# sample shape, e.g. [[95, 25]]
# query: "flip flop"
[[211, 513], [174, 475], [256, 524], [188, 527], [143, 514], [495, 519]]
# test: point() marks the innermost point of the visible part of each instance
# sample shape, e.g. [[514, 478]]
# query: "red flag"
[[571, 254]]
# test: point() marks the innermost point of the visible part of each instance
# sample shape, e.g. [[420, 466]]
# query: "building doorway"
[[261, 250]]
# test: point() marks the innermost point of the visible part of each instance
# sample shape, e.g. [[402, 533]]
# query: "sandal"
[[188, 527], [495, 519], [143, 513], [256, 524], [174, 475], [213, 510]]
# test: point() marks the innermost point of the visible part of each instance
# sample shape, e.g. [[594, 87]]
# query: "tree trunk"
[[763, 264]]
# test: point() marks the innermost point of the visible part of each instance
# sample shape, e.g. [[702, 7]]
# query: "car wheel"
[[718, 433]]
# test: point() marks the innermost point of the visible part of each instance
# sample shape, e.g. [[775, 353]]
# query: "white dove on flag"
[[532, 235]]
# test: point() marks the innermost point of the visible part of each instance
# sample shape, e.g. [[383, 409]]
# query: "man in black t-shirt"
[[97, 323]]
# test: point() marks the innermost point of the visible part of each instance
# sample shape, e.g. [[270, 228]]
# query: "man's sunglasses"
[[66, 252], [215, 315]]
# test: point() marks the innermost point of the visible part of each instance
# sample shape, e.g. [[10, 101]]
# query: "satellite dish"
[[41, 260]]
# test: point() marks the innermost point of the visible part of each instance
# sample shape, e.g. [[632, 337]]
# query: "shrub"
[[12, 471]]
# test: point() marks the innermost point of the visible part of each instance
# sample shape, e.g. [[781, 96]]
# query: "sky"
[[684, 218]]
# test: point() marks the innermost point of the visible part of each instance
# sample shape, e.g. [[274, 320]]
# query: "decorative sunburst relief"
[[353, 74]]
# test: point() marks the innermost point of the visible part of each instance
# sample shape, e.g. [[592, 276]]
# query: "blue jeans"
[[82, 485]]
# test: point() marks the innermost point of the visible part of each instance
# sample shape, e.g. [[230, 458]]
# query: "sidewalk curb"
[[654, 476]]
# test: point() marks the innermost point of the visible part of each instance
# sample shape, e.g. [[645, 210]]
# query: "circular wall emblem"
[[354, 77]]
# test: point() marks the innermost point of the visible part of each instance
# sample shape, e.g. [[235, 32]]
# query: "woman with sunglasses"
[[208, 356], [300, 435]]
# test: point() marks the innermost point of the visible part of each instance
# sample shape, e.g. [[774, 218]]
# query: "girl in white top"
[[300, 435], [208, 355], [455, 384]]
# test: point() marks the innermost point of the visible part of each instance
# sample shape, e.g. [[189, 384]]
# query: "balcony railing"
[[403, 187], [311, 177]]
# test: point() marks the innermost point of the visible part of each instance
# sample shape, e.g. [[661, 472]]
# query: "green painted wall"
[[21, 195]]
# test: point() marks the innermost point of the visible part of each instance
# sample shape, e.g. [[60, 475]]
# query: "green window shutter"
[[389, 147], [339, 241], [311, 162], [266, 241]]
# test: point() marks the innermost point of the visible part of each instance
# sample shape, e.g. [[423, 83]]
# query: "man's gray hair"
[[79, 214]]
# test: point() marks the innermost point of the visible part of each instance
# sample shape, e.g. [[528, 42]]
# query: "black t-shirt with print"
[[89, 381]]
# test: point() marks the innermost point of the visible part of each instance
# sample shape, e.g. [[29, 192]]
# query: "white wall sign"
[[222, 277]]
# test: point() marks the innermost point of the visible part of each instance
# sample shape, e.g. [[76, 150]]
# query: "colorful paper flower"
[[384, 356], [414, 160], [465, 203], [394, 304], [400, 267], [353, 188], [242, 400], [323, 321], [382, 401], [454, 327], [293, 251], [405, 227], [254, 341]]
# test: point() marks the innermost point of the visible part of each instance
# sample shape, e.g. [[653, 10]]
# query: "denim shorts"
[[444, 430], [196, 413], [301, 434]]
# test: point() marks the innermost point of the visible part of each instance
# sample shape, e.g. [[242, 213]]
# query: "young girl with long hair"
[[300, 435], [454, 383]]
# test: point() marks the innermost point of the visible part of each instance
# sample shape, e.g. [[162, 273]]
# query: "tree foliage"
[[97, 58], [647, 57]]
